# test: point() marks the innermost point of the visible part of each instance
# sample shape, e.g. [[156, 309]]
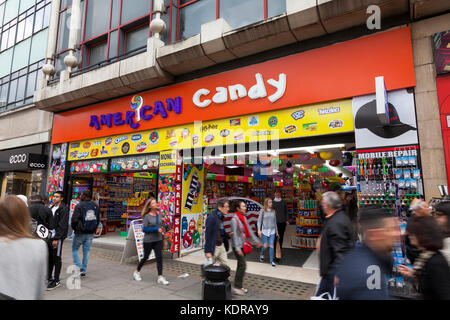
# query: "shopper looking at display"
[[23, 263], [153, 239], [61, 223], [362, 274], [281, 211], [430, 269], [85, 220], [335, 240], [216, 239], [267, 230], [242, 238], [441, 214]]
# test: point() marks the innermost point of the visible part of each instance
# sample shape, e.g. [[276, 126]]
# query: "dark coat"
[[336, 239], [281, 211], [42, 214], [212, 229], [357, 269], [434, 280], [61, 222]]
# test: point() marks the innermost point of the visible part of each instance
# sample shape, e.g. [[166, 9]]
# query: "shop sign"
[[329, 110], [141, 112], [297, 115], [273, 121], [389, 153], [135, 163], [176, 234], [192, 191], [167, 162], [336, 124], [290, 129]]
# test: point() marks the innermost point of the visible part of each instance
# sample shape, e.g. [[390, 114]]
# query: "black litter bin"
[[216, 285]]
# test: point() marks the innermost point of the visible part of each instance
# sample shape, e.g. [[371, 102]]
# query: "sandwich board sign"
[[134, 245]]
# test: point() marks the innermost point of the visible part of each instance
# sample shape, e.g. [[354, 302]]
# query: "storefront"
[[24, 170], [302, 124]]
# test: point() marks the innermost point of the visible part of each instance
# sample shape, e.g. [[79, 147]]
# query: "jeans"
[[271, 243], [78, 240], [148, 247], [240, 270]]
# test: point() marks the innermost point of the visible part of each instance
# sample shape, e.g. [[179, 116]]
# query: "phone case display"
[[390, 178], [309, 224]]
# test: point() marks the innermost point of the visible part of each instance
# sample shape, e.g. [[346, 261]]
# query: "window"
[[97, 18], [136, 38], [97, 53], [241, 13], [132, 9], [194, 15]]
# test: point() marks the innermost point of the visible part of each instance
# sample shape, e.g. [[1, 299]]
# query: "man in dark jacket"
[[39, 212], [216, 239], [335, 240], [418, 208], [85, 220], [281, 212], [362, 274], [61, 223]]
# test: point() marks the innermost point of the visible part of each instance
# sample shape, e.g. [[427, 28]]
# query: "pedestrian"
[[242, 238], [216, 239], [335, 240], [61, 223], [153, 239], [418, 208], [85, 220], [363, 272], [40, 213], [267, 230], [441, 213], [23, 198], [23, 263], [281, 211], [430, 270]]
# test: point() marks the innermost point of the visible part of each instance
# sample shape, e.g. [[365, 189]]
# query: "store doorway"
[[301, 175]]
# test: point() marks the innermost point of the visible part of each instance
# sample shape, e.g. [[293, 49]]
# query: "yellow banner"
[[193, 179], [167, 161], [312, 120]]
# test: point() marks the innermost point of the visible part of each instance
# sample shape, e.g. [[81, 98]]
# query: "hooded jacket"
[[42, 214], [61, 222]]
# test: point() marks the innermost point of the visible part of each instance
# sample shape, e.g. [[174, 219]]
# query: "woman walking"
[[23, 262], [430, 269], [267, 230], [153, 238], [242, 236]]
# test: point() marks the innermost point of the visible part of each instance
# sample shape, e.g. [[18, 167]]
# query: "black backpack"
[[89, 218]]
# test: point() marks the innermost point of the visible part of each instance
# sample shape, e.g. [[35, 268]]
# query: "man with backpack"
[[61, 223], [85, 219], [42, 218]]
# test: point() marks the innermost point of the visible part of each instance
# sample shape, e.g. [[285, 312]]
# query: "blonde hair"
[[266, 205], [15, 218], [147, 207]]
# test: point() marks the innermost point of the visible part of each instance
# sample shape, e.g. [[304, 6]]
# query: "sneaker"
[[50, 281], [83, 274], [137, 276], [273, 264], [238, 292], [163, 281], [245, 290], [53, 285], [261, 258]]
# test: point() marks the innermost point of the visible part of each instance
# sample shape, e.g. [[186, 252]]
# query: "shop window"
[[241, 13], [132, 9], [136, 38], [194, 15]]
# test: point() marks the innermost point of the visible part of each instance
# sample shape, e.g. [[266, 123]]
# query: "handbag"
[[165, 240], [247, 247]]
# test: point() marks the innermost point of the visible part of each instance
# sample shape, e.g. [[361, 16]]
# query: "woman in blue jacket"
[[153, 238]]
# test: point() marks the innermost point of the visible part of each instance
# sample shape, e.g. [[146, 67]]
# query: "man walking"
[[85, 219], [216, 239], [281, 212], [61, 223], [335, 240], [362, 272]]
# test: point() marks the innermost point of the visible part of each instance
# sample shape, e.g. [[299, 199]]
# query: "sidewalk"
[[107, 278]]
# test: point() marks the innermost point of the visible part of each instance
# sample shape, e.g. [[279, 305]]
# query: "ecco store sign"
[[18, 158]]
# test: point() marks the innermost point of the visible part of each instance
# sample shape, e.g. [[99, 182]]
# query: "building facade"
[[25, 131]]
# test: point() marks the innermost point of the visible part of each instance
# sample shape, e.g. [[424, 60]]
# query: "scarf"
[[242, 218], [421, 261]]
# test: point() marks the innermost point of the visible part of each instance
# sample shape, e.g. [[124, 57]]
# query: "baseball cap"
[[23, 198], [366, 118]]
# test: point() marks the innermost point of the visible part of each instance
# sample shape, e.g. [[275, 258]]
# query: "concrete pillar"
[[49, 67], [427, 108], [75, 25]]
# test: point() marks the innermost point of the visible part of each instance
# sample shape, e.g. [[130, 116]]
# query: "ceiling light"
[[232, 167]]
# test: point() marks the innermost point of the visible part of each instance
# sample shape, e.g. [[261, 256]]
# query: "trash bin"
[[216, 285]]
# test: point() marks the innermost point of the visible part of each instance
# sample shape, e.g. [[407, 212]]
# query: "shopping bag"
[[278, 250], [325, 296]]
